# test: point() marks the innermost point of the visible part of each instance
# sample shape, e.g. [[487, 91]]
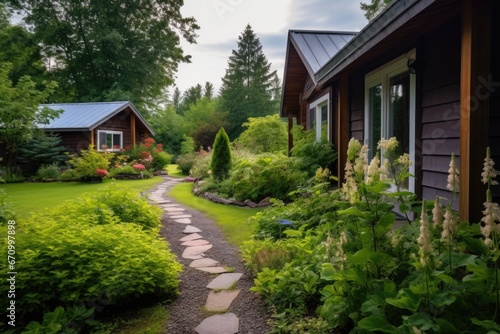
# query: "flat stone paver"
[[204, 263], [173, 209], [163, 201], [176, 216], [224, 281], [170, 205], [195, 253], [193, 236], [191, 229], [219, 324], [183, 221], [193, 243], [213, 270], [220, 301]]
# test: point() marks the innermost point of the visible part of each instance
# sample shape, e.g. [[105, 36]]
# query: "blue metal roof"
[[86, 116], [316, 48]]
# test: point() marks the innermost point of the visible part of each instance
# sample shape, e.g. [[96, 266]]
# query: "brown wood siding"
[[440, 107], [494, 129], [356, 108], [120, 122], [75, 141]]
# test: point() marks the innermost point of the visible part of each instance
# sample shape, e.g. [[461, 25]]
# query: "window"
[[109, 140], [390, 108], [319, 117]]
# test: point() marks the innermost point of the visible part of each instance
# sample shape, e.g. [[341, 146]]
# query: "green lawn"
[[30, 197], [232, 219], [173, 171]]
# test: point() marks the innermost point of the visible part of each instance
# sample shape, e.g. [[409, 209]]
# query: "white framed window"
[[108, 140], [320, 118], [390, 108]]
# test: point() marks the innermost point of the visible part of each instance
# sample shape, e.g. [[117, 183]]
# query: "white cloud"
[[223, 21]]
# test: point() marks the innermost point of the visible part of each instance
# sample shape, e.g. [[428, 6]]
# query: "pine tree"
[[247, 85], [221, 156]]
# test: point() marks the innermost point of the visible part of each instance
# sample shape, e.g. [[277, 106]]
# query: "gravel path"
[[186, 312]]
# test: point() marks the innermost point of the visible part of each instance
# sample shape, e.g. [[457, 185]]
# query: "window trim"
[[112, 132], [316, 105], [382, 76]]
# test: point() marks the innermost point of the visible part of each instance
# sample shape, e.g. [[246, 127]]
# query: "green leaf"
[[421, 321], [405, 299], [352, 211], [489, 325], [376, 324], [385, 224], [293, 233]]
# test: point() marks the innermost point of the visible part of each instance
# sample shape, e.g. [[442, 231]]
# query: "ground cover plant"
[[88, 258], [347, 268]]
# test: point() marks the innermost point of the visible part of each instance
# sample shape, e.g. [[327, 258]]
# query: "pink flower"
[[139, 166], [101, 172]]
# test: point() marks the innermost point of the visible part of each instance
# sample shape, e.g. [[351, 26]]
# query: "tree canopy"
[[248, 85], [264, 134], [108, 50], [374, 8]]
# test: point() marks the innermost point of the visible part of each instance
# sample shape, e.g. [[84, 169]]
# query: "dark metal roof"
[[87, 116], [316, 48]]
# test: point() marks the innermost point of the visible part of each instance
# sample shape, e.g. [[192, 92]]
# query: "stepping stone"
[[220, 301], [193, 236], [219, 324], [204, 263], [213, 270], [163, 201], [224, 281], [195, 253], [191, 229], [179, 216], [173, 209], [194, 243], [183, 221], [170, 205]]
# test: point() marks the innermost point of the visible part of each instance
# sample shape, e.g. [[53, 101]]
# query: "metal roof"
[[86, 116], [316, 48]]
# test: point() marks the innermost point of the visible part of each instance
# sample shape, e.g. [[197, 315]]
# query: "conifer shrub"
[[221, 156]]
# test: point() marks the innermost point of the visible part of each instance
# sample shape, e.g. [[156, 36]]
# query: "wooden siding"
[[440, 107], [494, 129], [356, 108], [75, 141], [120, 122]]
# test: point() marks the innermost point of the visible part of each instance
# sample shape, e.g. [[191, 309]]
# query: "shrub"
[[221, 156], [61, 264], [127, 169], [89, 161], [161, 160], [70, 175], [43, 149], [186, 162], [201, 167], [11, 175], [311, 154], [48, 172], [264, 135], [7, 212]]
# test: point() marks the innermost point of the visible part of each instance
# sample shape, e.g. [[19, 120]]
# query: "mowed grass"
[[31, 197], [173, 171], [232, 219]]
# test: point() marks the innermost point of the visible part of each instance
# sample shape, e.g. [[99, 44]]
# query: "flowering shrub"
[[139, 166], [360, 274], [101, 172], [89, 161]]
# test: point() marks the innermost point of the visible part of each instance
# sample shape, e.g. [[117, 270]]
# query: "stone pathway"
[[223, 288]]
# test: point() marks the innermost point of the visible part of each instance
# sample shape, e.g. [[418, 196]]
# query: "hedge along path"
[[209, 287]]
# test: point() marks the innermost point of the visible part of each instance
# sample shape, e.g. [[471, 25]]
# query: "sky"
[[223, 21]]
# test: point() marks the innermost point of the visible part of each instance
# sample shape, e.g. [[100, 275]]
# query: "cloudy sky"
[[222, 21]]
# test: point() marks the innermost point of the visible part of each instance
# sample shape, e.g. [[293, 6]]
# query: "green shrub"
[[311, 154], [267, 134], [43, 149], [201, 167], [186, 162], [70, 175], [7, 212], [90, 160], [110, 205], [61, 321], [11, 175], [48, 172], [61, 264], [221, 156], [161, 160], [127, 169]]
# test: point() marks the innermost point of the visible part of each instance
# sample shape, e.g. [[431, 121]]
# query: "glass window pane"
[[399, 111], [117, 140], [375, 96], [109, 140], [312, 118], [324, 121], [102, 140]]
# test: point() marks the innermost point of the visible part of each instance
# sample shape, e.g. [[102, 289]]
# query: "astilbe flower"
[[489, 172], [449, 225], [384, 171], [453, 182], [353, 149], [361, 163], [340, 254], [437, 213], [425, 238], [491, 211], [373, 174], [349, 188]]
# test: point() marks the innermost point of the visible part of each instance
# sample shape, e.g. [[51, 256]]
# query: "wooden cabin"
[[110, 126], [425, 71]]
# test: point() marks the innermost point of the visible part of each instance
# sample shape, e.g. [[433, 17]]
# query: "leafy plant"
[[161, 160], [311, 154], [186, 162], [221, 156], [7, 212], [61, 321], [43, 149], [48, 172], [89, 161]]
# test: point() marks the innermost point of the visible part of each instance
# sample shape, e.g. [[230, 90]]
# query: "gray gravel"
[[185, 313]]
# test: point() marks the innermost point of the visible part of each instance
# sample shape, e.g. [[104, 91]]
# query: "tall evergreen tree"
[[374, 8], [247, 85], [208, 90], [177, 100]]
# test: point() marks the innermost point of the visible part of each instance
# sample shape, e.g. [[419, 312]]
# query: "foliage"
[[102, 51], [89, 161], [110, 205], [221, 157], [97, 266], [61, 321], [7, 211], [247, 87], [161, 160], [149, 153], [264, 134], [187, 145], [48, 172], [69, 175], [11, 175], [201, 167], [374, 8], [169, 129], [360, 274], [312, 154], [19, 112], [43, 149], [186, 162]]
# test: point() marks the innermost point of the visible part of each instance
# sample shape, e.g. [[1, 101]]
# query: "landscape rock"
[[204, 263], [221, 300], [219, 324], [224, 281], [251, 204]]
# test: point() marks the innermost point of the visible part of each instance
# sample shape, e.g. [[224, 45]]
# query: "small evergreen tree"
[[43, 149], [221, 156]]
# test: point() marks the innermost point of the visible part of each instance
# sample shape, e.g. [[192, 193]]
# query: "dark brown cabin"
[[110, 126], [425, 71]]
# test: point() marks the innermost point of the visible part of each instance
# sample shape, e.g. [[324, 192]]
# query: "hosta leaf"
[[376, 323], [406, 299]]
